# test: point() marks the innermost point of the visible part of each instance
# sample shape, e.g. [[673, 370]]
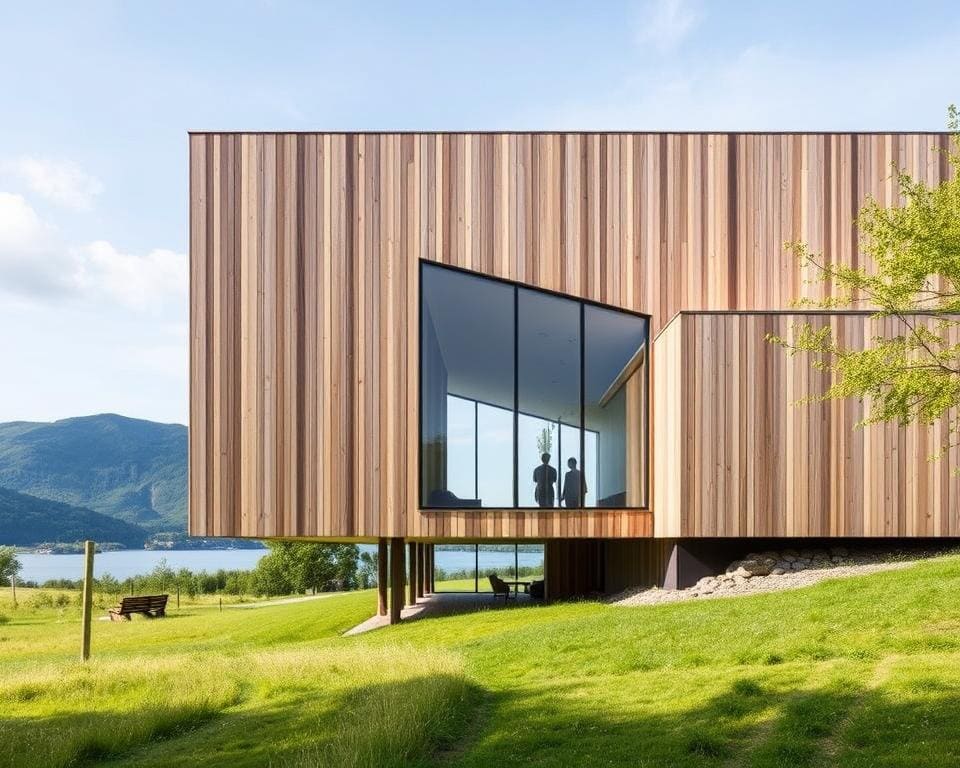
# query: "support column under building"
[[396, 579], [383, 576], [421, 569], [412, 572]]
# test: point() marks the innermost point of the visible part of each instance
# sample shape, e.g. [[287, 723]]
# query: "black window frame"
[[582, 302]]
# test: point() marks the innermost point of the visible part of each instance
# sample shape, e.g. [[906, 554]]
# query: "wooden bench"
[[151, 606]]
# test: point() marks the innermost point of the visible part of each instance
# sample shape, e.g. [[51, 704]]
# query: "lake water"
[[133, 562]]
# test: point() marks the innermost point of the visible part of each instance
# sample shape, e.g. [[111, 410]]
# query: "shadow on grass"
[[748, 724], [445, 719]]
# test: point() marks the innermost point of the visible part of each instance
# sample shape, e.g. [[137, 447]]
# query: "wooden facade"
[[304, 254], [741, 456]]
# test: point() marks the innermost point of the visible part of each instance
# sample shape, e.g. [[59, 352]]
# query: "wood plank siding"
[[304, 293], [747, 458]]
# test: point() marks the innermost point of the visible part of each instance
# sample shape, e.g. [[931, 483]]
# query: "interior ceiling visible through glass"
[[528, 399]]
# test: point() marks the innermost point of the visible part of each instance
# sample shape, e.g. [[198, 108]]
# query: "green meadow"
[[854, 672]]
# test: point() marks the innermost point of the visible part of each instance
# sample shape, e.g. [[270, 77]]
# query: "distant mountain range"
[[102, 469], [26, 521]]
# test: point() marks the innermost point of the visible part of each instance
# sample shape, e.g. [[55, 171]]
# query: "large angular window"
[[528, 399]]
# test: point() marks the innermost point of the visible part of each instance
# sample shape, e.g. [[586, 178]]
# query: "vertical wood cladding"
[[304, 252], [746, 458]]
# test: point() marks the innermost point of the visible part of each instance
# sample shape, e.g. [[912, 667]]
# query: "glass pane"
[[548, 382], [615, 407], [495, 456], [571, 478], [455, 567], [467, 331], [530, 560], [499, 560], [590, 466], [461, 447]]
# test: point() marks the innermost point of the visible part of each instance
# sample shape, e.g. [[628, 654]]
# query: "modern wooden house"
[[391, 331]]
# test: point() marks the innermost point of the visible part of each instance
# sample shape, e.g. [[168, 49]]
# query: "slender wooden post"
[[426, 569], [421, 570], [433, 568], [412, 581], [382, 577], [87, 599], [396, 579]]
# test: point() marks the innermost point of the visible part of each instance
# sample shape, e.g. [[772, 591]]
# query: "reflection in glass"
[[548, 387], [466, 339], [615, 406], [461, 447], [495, 456]]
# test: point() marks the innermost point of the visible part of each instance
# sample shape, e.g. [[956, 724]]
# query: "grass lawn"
[[858, 672]]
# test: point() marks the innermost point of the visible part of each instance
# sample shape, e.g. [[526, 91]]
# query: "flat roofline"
[[511, 132]]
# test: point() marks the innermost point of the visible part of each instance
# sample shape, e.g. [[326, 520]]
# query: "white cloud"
[[146, 282], [59, 181], [665, 23], [36, 264], [30, 263], [767, 87], [20, 226]]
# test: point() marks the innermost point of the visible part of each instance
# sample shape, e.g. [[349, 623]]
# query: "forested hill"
[[26, 521], [129, 469]]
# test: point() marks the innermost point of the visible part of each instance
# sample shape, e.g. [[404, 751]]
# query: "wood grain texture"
[[747, 458], [304, 252]]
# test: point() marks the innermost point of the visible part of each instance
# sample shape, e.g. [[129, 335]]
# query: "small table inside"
[[517, 584]]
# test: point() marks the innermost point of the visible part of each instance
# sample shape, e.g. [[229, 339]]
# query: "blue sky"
[[97, 98]]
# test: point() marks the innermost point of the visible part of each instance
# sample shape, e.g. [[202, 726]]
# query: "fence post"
[[88, 548]]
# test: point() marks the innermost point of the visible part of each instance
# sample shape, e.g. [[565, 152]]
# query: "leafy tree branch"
[[910, 272]]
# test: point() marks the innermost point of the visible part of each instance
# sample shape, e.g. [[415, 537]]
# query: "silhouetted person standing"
[[544, 476], [574, 488]]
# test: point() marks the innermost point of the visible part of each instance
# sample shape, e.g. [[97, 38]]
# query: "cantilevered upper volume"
[[508, 336]]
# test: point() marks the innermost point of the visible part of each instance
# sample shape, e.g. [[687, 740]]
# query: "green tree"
[[272, 575], [302, 566], [911, 274], [9, 565], [367, 571]]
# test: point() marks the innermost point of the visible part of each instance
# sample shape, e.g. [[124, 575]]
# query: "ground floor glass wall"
[[467, 567]]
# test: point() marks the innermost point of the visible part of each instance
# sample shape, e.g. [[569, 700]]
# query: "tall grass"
[[395, 722], [57, 714], [335, 706]]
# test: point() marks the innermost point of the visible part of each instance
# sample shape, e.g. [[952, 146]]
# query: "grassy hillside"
[[130, 469], [26, 521], [859, 672]]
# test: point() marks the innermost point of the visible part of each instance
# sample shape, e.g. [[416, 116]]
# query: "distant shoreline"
[[77, 549]]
